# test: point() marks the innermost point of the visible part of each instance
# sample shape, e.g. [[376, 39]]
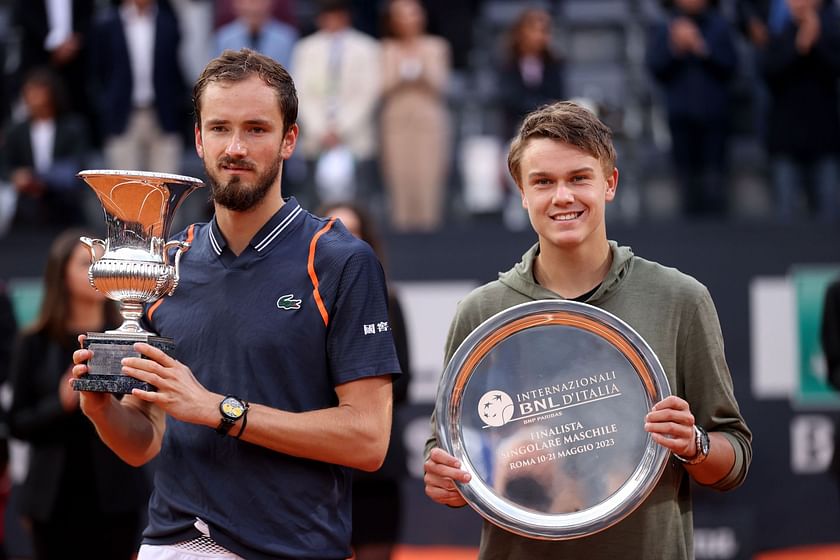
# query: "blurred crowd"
[[393, 115]]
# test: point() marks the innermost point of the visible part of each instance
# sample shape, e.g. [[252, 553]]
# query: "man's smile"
[[566, 216]]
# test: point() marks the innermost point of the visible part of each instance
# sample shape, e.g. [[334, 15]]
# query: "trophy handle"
[[91, 244], [183, 247]]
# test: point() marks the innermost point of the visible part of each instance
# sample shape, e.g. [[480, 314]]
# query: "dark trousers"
[[698, 148], [98, 537]]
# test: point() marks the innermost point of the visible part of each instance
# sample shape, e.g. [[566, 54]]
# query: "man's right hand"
[[26, 183], [441, 471], [91, 402]]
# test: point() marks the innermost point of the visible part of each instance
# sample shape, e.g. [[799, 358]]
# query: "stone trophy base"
[[105, 367]]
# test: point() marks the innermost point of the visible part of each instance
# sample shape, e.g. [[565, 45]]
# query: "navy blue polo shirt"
[[301, 310]]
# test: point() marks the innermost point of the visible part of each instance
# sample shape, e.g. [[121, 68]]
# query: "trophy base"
[[121, 384], [105, 367]]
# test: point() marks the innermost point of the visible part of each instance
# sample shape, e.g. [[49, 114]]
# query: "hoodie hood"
[[521, 277]]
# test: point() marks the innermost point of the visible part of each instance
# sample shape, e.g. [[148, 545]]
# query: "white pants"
[[171, 552]]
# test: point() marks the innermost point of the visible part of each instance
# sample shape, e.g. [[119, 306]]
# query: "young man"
[[282, 343], [563, 161]]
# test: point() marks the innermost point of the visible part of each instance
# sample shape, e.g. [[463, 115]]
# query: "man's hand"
[[26, 183], [66, 51], [686, 37], [441, 471], [178, 393], [808, 31], [758, 32], [68, 396], [92, 403], [671, 425]]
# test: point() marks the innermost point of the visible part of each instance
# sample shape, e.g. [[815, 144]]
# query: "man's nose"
[[562, 194], [236, 146]]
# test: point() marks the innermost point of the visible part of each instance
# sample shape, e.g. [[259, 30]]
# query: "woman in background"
[[532, 74], [80, 499], [414, 119], [376, 496]]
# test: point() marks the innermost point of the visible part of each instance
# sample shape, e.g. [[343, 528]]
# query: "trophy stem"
[[131, 312]]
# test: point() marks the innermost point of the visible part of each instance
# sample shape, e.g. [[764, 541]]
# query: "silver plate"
[[544, 405]]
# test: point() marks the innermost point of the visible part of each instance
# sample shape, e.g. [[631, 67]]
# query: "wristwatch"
[[701, 441], [232, 409]]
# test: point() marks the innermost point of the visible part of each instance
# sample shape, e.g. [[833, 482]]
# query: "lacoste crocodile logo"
[[288, 302]]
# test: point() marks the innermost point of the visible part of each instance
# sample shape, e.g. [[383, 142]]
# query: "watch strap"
[[224, 426], [244, 423], [701, 443]]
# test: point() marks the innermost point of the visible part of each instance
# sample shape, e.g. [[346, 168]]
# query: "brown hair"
[[367, 229], [45, 77], [236, 66], [55, 304], [387, 19], [514, 35], [565, 122]]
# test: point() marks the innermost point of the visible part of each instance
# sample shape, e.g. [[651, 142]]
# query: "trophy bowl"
[[132, 265]]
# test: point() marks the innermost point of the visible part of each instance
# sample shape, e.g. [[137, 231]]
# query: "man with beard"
[[281, 378]]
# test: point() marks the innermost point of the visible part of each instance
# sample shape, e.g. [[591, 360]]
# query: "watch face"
[[232, 408]]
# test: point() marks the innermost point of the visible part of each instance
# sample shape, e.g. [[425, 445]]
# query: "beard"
[[237, 195]]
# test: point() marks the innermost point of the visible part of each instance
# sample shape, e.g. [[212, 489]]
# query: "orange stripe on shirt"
[[190, 234], [152, 309], [310, 267], [189, 239]]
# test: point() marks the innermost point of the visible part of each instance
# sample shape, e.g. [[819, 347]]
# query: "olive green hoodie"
[[675, 315]]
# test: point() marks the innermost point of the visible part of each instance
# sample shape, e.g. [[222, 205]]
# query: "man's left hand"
[[178, 393], [671, 425]]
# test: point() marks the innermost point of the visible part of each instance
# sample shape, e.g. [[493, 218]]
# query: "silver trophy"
[[544, 405], [135, 268]]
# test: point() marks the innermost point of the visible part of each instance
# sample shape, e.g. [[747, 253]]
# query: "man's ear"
[[199, 146], [612, 184], [524, 200], [289, 141]]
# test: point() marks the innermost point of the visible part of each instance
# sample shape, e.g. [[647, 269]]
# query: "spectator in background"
[[337, 71], [256, 29], [42, 155], [830, 340], [281, 10], [81, 499], [376, 495], [801, 64], [830, 333], [55, 34], [449, 19], [692, 56], [8, 332], [141, 95], [751, 22], [751, 16], [531, 74], [415, 119]]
